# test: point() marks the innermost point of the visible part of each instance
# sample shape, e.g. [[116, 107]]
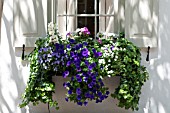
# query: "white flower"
[[51, 32], [54, 38], [51, 25], [111, 34], [78, 30], [101, 61]]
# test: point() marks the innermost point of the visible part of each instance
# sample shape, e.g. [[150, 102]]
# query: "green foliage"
[[133, 75], [40, 86], [111, 56]]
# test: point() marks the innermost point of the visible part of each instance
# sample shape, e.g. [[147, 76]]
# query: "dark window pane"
[[86, 7]]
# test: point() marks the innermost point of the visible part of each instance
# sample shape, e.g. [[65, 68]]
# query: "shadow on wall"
[[155, 94], [12, 78]]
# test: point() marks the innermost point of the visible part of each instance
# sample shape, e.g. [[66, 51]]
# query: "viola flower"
[[68, 63], [68, 46], [91, 66], [65, 74], [78, 69], [77, 76], [69, 92], [112, 48], [85, 43], [71, 41], [99, 94], [66, 99], [80, 103], [78, 91], [86, 62], [107, 92], [85, 103], [78, 97]]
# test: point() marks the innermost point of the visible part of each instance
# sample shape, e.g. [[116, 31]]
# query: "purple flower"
[[64, 85], [85, 103], [68, 46], [98, 54], [78, 69], [86, 62], [91, 66], [99, 94], [77, 47], [100, 41], [81, 45], [68, 63], [40, 60], [111, 48], [86, 79], [77, 76], [80, 103], [68, 34], [45, 49], [72, 78], [78, 91], [89, 73], [78, 97], [71, 41], [85, 43], [87, 95], [65, 74], [91, 96], [68, 84], [72, 54], [79, 80], [90, 85], [69, 92], [85, 30], [102, 97], [66, 99], [107, 92], [85, 52]]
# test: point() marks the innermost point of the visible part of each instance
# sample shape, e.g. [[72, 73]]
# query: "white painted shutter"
[[71, 20], [61, 20], [110, 23], [30, 21], [141, 22]]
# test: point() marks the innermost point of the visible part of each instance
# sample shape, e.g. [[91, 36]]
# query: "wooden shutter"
[[141, 22], [30, 21]]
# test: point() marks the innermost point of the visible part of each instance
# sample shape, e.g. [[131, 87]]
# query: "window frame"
[[95, 15]]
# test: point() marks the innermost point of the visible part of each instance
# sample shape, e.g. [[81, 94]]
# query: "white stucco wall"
[[155, 95]]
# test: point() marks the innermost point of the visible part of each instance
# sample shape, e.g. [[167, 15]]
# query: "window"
[[96, 15], [138, 18]]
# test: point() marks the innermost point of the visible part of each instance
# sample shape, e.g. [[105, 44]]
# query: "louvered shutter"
[[141, 22]]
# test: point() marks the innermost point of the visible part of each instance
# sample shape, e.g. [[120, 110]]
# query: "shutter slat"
[[141, 22], [30, 21]]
